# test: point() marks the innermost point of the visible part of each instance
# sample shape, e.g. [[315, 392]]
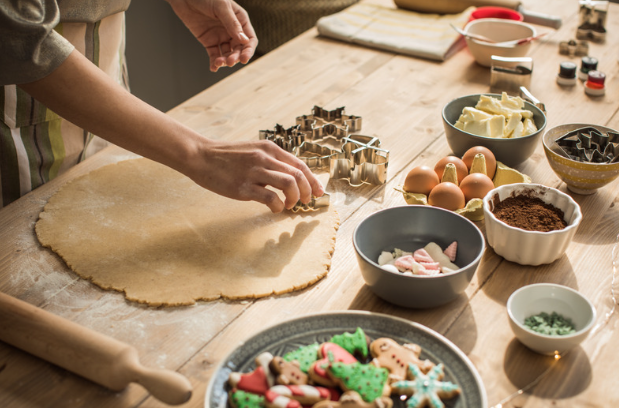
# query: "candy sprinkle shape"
[[426, 389]]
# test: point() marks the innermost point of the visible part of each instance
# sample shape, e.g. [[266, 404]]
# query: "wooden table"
[[400, 99]]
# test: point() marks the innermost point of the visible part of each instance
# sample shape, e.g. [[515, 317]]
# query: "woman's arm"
[[84, 95]]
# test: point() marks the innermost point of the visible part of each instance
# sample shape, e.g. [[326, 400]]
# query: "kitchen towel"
[[401, 31]]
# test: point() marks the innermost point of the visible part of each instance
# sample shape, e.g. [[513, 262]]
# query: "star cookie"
[[425, 389]]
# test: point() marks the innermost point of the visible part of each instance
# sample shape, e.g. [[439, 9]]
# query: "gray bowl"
[[409, 228], [508, 151]]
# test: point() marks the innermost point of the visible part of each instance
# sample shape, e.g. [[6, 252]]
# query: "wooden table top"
[[400, 99]]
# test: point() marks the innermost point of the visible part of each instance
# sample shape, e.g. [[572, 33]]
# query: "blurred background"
[[166, 63]]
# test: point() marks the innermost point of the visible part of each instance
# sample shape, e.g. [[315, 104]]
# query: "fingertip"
[[243, 38]]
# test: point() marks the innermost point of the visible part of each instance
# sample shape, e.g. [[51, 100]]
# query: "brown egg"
[[447, 195], [476, 185], [461, 170], [420, 180], [490, 159]]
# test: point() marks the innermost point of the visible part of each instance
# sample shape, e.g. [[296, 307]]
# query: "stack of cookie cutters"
[[590, 145], [327, 139], [592, 25]]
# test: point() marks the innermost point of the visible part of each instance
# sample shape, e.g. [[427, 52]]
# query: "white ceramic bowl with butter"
[[530, 247], [549, 297], [497, 29]]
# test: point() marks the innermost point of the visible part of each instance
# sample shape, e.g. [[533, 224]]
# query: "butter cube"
[[514, 119], [529, 127]]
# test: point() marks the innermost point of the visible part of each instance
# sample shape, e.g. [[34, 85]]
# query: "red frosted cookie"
[[258, 381], [328, 353]]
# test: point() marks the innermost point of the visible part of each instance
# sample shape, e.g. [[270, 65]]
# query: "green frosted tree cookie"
[[367, 379], [242, 399], [355, 343], [305, 355]]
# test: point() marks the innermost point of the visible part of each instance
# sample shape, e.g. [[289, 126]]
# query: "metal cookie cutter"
[[592, 23], [574, 48], [336, 116], [314, 155], [287, 139], [315, 204], [590, 145], [509, 74], [361, 160]]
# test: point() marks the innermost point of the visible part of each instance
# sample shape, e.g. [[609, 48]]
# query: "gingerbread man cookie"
[[352, 399], [367, 379], [328, 353], [395, 357], [287, 372], [425, 389]]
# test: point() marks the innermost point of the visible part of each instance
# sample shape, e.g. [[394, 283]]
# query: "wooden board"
[[400, 99]]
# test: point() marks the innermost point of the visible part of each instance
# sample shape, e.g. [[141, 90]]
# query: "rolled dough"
[[143, 229]]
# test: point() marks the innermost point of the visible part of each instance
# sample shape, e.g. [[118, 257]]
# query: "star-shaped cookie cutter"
[[287, 139], [588, 144], [334, 124]]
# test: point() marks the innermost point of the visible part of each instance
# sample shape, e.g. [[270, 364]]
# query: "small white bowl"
[[530, 247], [548, 297], [498, 29]]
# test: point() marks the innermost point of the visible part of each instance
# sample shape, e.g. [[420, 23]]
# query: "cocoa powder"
[[529, 213]]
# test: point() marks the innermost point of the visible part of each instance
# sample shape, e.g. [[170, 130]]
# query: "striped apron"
[[36, 144]]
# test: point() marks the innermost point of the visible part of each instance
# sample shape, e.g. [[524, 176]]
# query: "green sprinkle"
[[550, 324]]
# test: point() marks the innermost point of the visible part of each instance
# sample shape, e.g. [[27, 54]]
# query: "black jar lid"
[[588, 64], [567, 69]]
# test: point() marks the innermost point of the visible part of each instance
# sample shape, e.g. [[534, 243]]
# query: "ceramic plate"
[[292, 334]]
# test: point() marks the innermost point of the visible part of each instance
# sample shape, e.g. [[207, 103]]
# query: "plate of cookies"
[[351, 359]]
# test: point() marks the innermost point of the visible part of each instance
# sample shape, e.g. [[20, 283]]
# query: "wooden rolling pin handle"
[[165, 385], [85, 352]]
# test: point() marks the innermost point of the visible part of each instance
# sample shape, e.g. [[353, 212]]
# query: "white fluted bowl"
[[530, 247]]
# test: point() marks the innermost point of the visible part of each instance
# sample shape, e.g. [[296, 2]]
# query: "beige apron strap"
[[41, 144]]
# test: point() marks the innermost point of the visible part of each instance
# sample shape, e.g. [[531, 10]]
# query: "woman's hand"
[[222, 27], [242, 170]]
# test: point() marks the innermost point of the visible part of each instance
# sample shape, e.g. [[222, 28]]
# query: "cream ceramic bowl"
[[548, 297], [581, 178], [498, 30], [530, 247]]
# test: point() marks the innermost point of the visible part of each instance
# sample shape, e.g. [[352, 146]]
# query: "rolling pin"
[[97, 357], [458, 6]]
